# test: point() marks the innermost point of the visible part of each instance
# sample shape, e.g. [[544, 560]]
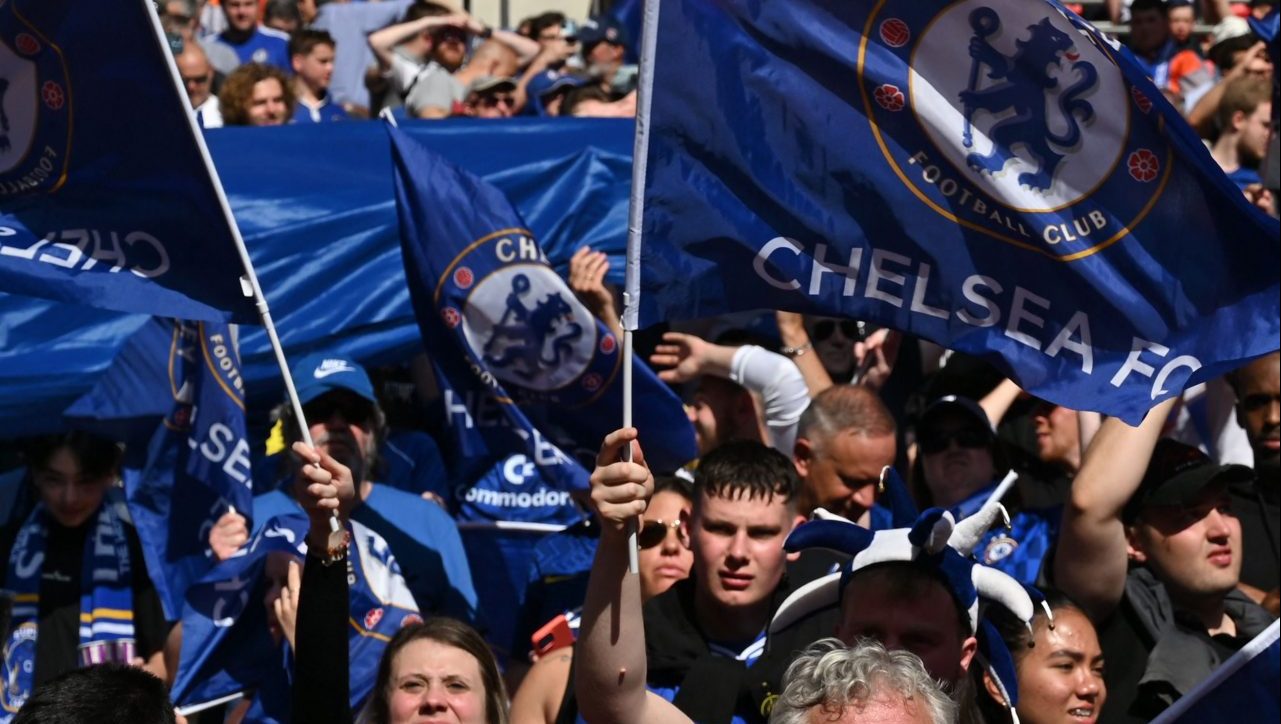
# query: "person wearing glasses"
[[665, 558], [346, 423], [958, 464], [490, 97]]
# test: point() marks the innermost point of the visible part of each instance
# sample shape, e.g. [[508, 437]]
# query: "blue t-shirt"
[[266, 45], [327, 112], [412, 463], [421, 535], [1021, 550], [1243, 177], [557, 581]]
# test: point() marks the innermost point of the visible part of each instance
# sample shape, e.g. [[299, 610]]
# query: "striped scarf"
[[106, 602]]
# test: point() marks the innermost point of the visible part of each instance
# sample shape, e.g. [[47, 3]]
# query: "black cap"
[[1176, 475], [963, 405]]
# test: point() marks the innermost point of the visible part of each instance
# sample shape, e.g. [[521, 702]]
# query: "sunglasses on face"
[[654, 532], [495, 101], [353, 410], [826, 328], [966, 437]]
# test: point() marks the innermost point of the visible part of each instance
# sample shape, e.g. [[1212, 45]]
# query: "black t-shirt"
[[1260, 514], [1126, 646], [58, 642]]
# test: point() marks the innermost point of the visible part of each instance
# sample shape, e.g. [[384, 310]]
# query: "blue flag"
[[197, 462], [105, 198], [1243, 688], [991, 175], [517, 355], [227, 644]]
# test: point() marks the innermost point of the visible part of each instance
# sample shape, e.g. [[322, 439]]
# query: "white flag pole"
[[635, 218], [248, 282]]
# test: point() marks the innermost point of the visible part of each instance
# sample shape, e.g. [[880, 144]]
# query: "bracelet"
[[486, 33], [795, 352]]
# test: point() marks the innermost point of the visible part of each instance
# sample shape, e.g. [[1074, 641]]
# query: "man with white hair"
[[863, 683]]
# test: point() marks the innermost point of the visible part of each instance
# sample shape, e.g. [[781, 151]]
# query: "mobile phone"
[[555, 634]]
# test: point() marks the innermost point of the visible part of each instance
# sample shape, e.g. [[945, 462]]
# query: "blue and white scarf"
[[106, 602]]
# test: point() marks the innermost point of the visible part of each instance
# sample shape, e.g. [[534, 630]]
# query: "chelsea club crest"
[[35, 107], [1018, 141], [522, 325]]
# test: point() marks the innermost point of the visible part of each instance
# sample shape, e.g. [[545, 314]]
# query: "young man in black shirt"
[[1151, 549], [1257, 503], [48, 635]]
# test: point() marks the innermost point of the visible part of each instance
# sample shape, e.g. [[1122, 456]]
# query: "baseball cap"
[[1176, 475], [600, 30], [963, 405], [490, 84], [550, 81], [324, 372]]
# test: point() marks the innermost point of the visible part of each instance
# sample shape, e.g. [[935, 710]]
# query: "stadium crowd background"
[[791, 414]]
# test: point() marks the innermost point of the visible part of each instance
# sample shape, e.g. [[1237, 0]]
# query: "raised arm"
[[609, 679], [321, 689], [784, 395], [384, 41], [1090, 564], [798, 346]]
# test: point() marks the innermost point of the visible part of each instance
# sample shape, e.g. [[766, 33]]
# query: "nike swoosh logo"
[[322, 374]]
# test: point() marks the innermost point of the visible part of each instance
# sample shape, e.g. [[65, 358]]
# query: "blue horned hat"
[[932, 537]]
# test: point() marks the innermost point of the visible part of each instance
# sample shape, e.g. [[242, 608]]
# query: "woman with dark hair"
[[1059, 668], [440, 666], [75, 572]]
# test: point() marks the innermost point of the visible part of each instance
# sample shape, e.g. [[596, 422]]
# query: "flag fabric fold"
[[105, 197], [992, 175]]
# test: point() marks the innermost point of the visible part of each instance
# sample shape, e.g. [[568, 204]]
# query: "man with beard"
[[1256, 503], [346, 423]]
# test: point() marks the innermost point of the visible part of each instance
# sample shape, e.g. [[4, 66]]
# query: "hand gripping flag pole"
[[248, 282], [635, 219]]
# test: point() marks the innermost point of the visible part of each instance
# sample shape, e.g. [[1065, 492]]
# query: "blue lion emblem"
[[1026, 79], [532, 340]]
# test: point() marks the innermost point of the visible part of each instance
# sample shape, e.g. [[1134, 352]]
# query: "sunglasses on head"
[[654, 532], [353, 409], [966, 437], [850, 328]]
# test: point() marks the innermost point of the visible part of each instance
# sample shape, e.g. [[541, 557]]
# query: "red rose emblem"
[[592, 382], [1140, 100], [894, 33], [51, 94], [889, 97], [463, 277], [27, 44], [451, 317], [608, 344], [373, 617], [1143, 165]]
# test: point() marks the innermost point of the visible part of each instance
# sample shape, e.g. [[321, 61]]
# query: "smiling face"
[[1061, 676], [267, 104], [435, 683], [70, 494]]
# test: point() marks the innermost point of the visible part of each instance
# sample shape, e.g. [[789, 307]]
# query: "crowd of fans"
[[1156, 546]]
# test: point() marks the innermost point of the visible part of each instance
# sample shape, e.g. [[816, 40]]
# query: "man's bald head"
[[496, 59], [196, 72], [843, 440]]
